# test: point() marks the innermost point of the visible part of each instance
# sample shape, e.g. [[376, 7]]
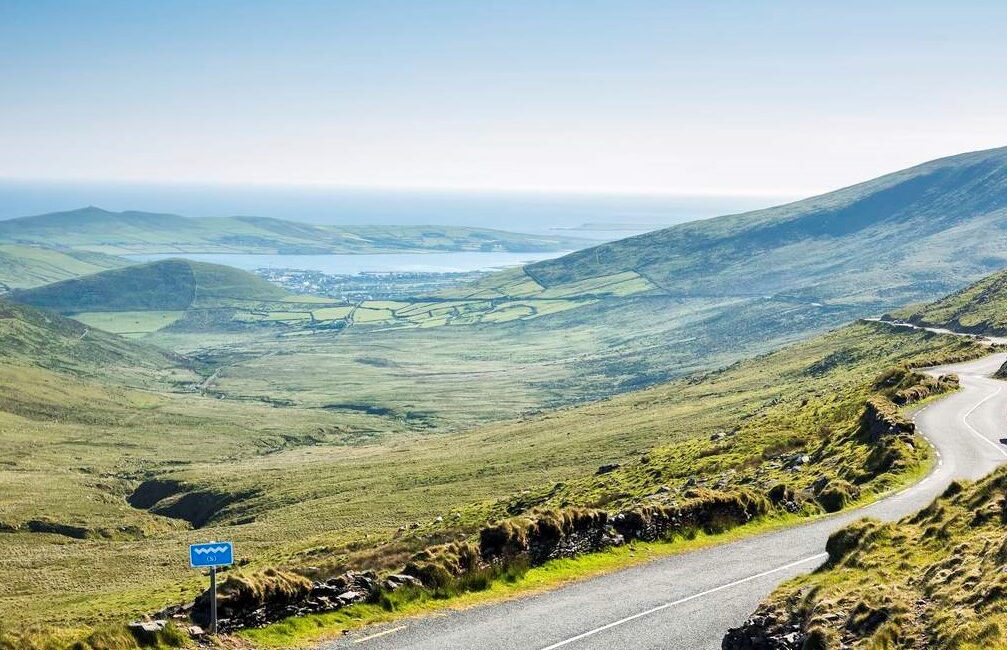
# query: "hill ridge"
[[172, 285], [810, 244], [99, 230]]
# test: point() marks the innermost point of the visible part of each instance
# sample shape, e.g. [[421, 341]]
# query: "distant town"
[[386, 285]]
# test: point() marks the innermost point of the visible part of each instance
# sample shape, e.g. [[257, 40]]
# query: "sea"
[[597, 217]]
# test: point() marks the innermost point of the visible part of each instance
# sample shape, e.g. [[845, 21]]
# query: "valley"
[[715, 368], [503, 325]]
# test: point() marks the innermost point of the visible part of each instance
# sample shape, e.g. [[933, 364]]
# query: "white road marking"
[[379, 634], [940, 462], [820, 556], [999, 448]]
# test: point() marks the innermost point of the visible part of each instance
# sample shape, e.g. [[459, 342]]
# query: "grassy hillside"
[[30, 338], [932, 580], [643, 310], [979, 308], [168, 285], [917, 232], [94, 229], [328, 488], [30, 266]]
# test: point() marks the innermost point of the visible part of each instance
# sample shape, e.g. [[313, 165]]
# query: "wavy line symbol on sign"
[[210, 549]]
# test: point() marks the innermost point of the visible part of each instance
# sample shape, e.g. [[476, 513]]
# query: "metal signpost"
[[212, 555]]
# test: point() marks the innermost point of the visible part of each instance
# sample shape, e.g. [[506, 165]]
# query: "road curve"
[[689, 601]]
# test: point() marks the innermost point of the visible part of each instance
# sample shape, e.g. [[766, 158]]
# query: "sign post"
[[212, 555]]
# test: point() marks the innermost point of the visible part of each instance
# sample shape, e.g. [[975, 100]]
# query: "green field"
[[134, 324], [295, 485], [353, 435]]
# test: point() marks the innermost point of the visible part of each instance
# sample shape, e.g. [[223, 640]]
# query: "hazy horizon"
[[784, 98], [536, 212]]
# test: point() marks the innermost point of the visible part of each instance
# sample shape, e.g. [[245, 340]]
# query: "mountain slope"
[[165, 285], [980, 308], [29, 337], [30, 266], [914, 232], [94, 229]]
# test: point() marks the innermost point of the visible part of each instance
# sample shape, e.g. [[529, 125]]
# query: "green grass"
[[567, 353], [980, 308], [168, 285], [131, 323], [331, 487], [23, 266], [312, 629], [933, 578]]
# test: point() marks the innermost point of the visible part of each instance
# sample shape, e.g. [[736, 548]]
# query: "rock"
[[799, 460], [325, 590], [195, 631], [349, 597], [819, 484], [149, 627], [690, 482], [605, 469], [439, 520], [403, 579]]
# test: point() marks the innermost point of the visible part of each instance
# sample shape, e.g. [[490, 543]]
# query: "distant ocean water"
[[450, 262], [594, 216]]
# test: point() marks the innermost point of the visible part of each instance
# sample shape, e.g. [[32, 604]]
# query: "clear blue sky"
[[720, 97]]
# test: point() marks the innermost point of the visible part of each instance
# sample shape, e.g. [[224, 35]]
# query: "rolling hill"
[[24, 266], [636, 312], [917, 233], [115, 233], [167, 285], [980, 308], [32, 338], [109, 483]]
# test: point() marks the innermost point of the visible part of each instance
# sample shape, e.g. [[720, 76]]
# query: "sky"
[[747, 98]]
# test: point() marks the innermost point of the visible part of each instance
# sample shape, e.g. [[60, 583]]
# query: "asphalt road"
[[689, 601]]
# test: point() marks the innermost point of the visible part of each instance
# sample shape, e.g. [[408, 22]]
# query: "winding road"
[[689, 601]]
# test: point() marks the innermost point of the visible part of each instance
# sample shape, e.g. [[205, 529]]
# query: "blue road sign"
[[211, 554]]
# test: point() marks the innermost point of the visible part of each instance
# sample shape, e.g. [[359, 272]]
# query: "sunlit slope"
[[981, 308], [29, 337], [912, 233], [934, 579], [95, 229], [296, 486], [30, 266]]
